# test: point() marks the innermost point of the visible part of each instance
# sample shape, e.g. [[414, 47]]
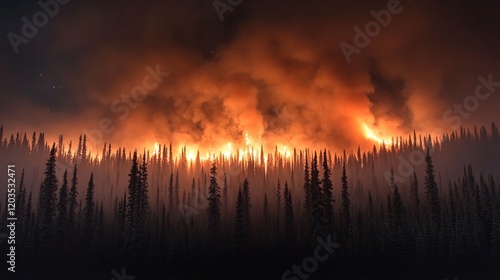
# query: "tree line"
[[161, 213]]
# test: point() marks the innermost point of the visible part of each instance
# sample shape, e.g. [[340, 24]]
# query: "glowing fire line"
[[371, 135], [249, 151]]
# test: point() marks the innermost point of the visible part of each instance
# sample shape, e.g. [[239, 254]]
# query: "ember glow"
[[374, 136]]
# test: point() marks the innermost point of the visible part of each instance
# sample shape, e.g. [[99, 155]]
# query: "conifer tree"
[[289, 218], [246, 202], [62, 211], [171, 193], [224, 194], [72, 202], [495, 235], [415, 198], [143, 203], [431, 190], [241, 229], [176, 190], [398, 211], [48, 198], [214, 204], [89, 209], [84, 147], [41, 143], [346, 206], [327, 192], [317, 220], [132, 206], [21, 199], [278, 200]]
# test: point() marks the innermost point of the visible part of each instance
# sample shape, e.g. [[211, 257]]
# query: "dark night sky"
[[270, 69]]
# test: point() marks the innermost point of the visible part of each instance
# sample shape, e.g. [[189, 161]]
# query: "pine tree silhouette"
[[72, 202], [327, 193], [62, 210], [89, 210], [289, 219], [431, 190], [241, 228], [346, 206], [214, 204], [48, 199]]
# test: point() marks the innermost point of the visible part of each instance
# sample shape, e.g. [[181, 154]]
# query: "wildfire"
[[251, 149], [247, 149], [156, 149], [373, 135]]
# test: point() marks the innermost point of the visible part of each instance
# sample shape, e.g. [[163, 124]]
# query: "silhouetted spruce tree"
[[25, 144], [241, 228], [84, 148], [317, 219], [48, 199], [307, 213], [79, 150], [224, 194], [134, 197], [176, 190], [415, 199], [29, 220], [171, 194], [41, 143], [328, 193], [486, 217], [246, 202], [72, 203], [143, 205], [214, 204], [372, 234], [88, 210], [431, 191], [62, 210], [289, 219], [495, 234], [278, 201], [21, 202], [397, 206], [346, 206]]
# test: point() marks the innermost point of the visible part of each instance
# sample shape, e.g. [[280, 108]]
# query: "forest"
[[420, 207]]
